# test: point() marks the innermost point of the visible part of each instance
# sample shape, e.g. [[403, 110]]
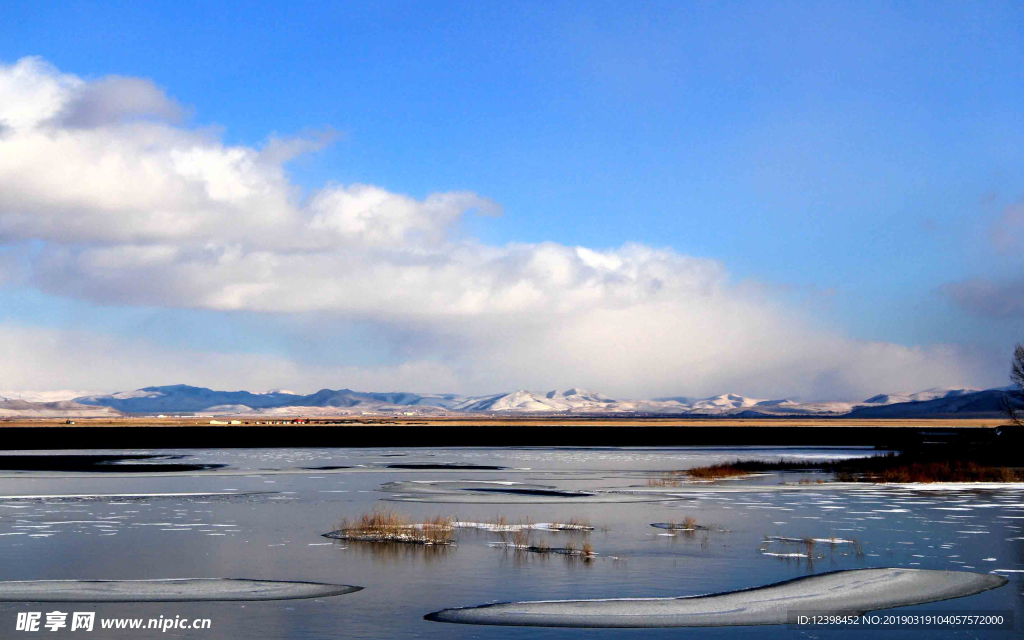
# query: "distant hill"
[[977, 403], [13, 408], [181, 398], [921, 396], [553, 401]]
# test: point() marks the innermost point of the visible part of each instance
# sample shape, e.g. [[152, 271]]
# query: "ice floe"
[[858, 590], [171, 590]]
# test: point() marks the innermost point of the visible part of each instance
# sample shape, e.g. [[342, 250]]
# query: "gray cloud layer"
[[989, 298]]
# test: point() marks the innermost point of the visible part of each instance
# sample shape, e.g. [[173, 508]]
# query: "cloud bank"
[[992, 298], [989, 298], [107, 196]]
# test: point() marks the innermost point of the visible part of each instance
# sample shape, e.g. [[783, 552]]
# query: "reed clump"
[[747, 467], [888, 468], [499, 522], [521, 543], [574, 524], [388, 526], [688, 525], [716, 471], [933, 471]]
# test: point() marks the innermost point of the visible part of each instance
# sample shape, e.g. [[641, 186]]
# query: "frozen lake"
[[259, 514]]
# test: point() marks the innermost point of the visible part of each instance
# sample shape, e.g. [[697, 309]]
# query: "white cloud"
[[59, 359], [115, 99], [34, 91], [282, 149], [136, 209]]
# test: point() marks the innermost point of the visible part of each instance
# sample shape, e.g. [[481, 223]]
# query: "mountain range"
[[184, 399]]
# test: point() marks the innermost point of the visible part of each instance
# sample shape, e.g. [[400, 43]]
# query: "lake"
[[261, 513]]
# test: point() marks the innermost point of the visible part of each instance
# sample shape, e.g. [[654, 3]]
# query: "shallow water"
[[292, 496]]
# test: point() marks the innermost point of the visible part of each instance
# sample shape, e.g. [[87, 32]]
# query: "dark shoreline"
[[403, 436]]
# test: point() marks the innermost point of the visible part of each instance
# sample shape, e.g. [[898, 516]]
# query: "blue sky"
[[861, 164]]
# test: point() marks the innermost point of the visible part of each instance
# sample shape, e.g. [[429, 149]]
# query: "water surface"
[[292, 496]]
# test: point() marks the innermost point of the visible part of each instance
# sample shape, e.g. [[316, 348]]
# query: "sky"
[[647, 199]]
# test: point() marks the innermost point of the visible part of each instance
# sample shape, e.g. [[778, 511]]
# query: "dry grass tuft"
[[925, 472], [747, 467], [716, 471], [688, 525], [897, 468], [574, 524], [388, 526]]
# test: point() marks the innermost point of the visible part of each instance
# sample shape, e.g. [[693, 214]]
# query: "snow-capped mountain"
[[920, 396], [987, 402], [13, 408], [724, 403], [177, 399], [44, 396], [530, 402], [182, 397]]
